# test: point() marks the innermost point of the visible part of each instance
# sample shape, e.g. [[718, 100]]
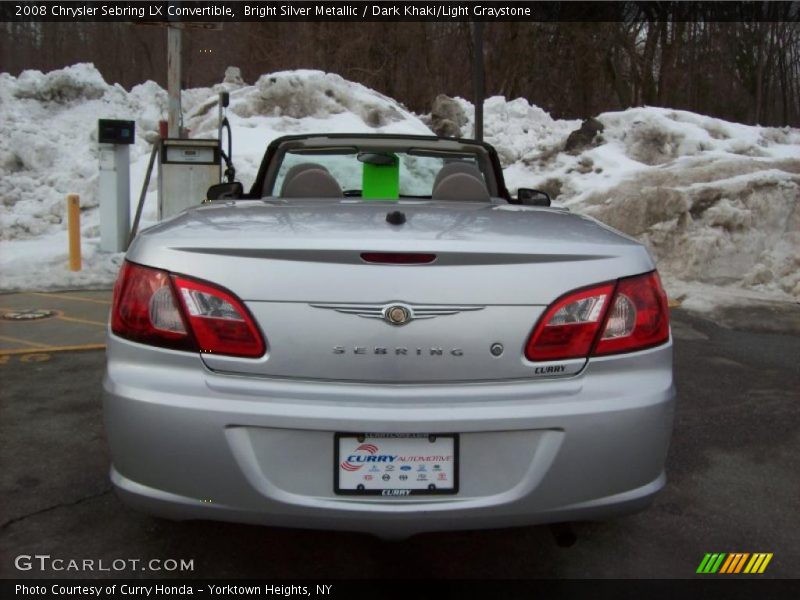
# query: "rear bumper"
[[187, 443]]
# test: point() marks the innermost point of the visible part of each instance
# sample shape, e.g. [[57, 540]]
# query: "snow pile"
[[516, 128], [716, 202], [79, 82], [48, 148], [48, 141], [294, 102], [723, 223]]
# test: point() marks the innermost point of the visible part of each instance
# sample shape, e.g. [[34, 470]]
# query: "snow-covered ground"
[[716, 202]]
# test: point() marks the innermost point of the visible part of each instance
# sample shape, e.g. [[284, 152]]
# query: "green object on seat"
[[381, 182]]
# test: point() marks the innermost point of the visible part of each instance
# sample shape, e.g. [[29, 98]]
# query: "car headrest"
[[452, 168], [290, 174], [460, 186], [313, 182]]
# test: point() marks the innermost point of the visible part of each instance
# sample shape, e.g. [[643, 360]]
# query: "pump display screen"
[[177, 154], [114, 131]]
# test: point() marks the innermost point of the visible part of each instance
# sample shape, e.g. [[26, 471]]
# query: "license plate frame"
[[394, 487]]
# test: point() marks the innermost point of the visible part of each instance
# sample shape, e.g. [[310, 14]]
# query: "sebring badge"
[[398, 313]]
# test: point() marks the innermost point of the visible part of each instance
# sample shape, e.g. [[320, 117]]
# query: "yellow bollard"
[[74, 230]]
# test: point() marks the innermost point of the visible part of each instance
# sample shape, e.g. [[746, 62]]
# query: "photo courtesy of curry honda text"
[[377, 337]]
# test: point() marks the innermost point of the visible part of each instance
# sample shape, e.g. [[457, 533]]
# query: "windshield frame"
[[485, 155]]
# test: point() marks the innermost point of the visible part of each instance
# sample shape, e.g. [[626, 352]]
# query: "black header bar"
[[388, 10]]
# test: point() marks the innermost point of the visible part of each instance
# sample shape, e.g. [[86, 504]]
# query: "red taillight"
[[569, 327], [152, 307], [611, 318], [144, 309], [638, 318], [220, 322]]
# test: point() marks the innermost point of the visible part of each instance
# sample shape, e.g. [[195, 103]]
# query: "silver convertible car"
[[377, 337]]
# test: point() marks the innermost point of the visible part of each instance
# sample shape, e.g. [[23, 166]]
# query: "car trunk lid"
[[328, 314]]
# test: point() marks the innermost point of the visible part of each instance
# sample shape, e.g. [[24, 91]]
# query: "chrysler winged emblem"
[[398, 313]]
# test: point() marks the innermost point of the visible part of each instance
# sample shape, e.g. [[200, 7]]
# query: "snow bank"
[[716, 202], [48, 148], [294, 102], [48, 142], [740, 227], [517, 129]]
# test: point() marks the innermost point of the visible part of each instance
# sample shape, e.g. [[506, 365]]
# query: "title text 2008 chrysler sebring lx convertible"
[[378, 337]]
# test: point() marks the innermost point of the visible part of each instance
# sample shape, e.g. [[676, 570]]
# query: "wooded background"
[[743, 71]]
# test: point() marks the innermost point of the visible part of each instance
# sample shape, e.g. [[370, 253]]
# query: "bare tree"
[[654, 53]]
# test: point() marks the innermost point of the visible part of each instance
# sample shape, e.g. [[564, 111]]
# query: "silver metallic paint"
[[251, 440]]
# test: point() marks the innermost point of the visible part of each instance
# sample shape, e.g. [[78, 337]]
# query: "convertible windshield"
[[372, 174]]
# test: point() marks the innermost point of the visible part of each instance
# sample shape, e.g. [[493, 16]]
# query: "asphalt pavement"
[[733, 468]]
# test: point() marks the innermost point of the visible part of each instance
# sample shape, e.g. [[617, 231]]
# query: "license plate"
[[395, 465]]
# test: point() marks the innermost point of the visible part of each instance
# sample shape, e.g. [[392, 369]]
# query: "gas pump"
[[114, 137], [186, 169]]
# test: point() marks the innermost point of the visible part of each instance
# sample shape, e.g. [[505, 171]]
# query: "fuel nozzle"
[[230, 171]]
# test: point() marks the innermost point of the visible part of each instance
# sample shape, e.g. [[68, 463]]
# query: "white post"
[[115, 197], [174, 80]]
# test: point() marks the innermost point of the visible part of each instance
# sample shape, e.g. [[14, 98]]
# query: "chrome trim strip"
[[416, 311]]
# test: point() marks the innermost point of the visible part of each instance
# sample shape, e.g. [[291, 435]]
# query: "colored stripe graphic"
[[741, 562], [765, 563], [711, 563], [734, 563], [727, 564], [758, 563], [703, 563], [717, 564]]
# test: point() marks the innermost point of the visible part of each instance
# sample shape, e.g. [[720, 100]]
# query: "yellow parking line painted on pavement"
[[76, 320], [68, 297], [51, 349], [60, 317], [12, 340]]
